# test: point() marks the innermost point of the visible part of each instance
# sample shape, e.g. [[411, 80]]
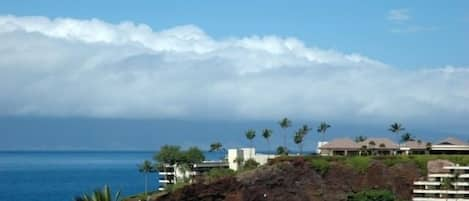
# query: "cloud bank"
[[90, 68]]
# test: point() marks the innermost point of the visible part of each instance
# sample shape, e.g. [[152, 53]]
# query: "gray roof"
[[452, 141], [342, 143], [414, 144], [380, 143]]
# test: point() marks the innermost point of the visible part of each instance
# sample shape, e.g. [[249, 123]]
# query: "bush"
[[358, 163], [250, 164], [320, 165], [372, 195], [217, 173]]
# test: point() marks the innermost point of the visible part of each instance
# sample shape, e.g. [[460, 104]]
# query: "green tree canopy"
[[169, 154], [193, 155]]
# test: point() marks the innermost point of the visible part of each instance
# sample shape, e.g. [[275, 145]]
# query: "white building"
[[236, 157], [451, 184]]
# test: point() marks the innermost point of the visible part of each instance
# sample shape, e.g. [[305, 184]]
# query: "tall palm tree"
[[267, 133], [99, 195], [250, 135], [396, 128], [146, 168], [298, 139], [285, 123], [322, 128], [215, 147]]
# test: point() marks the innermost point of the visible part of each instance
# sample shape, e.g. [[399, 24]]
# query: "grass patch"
[[321, 165], [358, 163]]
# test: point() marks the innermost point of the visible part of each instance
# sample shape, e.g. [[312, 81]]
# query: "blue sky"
[[170, 70]]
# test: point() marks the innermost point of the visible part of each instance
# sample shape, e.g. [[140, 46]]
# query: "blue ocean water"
[[60, 176]]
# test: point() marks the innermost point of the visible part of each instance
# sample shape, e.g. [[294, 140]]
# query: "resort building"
[[384, 146], [171, 174], [450, 146], [451, 183], [236, 157], [348, 147]]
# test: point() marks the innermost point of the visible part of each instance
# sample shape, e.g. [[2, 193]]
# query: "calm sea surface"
[[60, 176]]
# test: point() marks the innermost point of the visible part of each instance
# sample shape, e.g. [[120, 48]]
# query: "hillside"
[[315, 179]]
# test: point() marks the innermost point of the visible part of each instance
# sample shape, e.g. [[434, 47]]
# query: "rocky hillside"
[[297, 179]]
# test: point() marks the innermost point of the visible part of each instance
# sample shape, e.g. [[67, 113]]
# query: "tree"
[[322, 128], [216, 146], [146, 168], [360, 138], [250, 135], [193, 156], [396, 128], [298, 139], [267, 133], [285, 123], [281, 150], [428, 147], [99, 195], [250, 164], [407, 137], [169, 154]]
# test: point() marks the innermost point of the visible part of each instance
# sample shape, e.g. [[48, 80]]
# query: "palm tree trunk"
[[146, 183]]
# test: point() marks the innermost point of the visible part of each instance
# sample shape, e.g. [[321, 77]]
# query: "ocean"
[[60, 176]]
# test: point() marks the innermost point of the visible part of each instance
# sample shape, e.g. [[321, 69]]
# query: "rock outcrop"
[[295, 180]]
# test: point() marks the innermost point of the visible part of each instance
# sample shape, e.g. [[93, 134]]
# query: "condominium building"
[[384, 146], [450, 184]]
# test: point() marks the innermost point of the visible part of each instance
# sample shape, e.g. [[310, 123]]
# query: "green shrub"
[[372, 195], [358, 163], [250, 164], [217, 173], [320, 165]]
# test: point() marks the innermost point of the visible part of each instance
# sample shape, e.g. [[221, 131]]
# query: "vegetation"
[[321, 165], [250, 164], [216, 146], [146, 168], [99, 195], [298, 139], [322, 128], [360, 138], [372, 195], [396, 128], [218, 173], [281, 150], [407, 137], [250, 135], [266, 134], [285, 123]]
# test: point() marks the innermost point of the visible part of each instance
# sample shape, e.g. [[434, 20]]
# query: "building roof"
[[379, 143], [415, 144], [342, 143], [451, 141]]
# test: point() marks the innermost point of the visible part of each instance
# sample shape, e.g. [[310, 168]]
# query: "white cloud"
[[68, 67], [398, 15]]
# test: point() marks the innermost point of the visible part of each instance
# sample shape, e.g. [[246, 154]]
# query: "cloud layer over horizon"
[[90, 68]]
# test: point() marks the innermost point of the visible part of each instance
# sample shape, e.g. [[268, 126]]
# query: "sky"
[[134, 75]]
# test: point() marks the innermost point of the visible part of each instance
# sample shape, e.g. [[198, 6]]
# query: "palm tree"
[[146, 167], [396, 128], [407, 137], [372, 145], [322, 128], [284, 124], [360, 138], [99, 195], [216, 146], [250, 135], [428, 147], [298, 139], [267, 133]]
